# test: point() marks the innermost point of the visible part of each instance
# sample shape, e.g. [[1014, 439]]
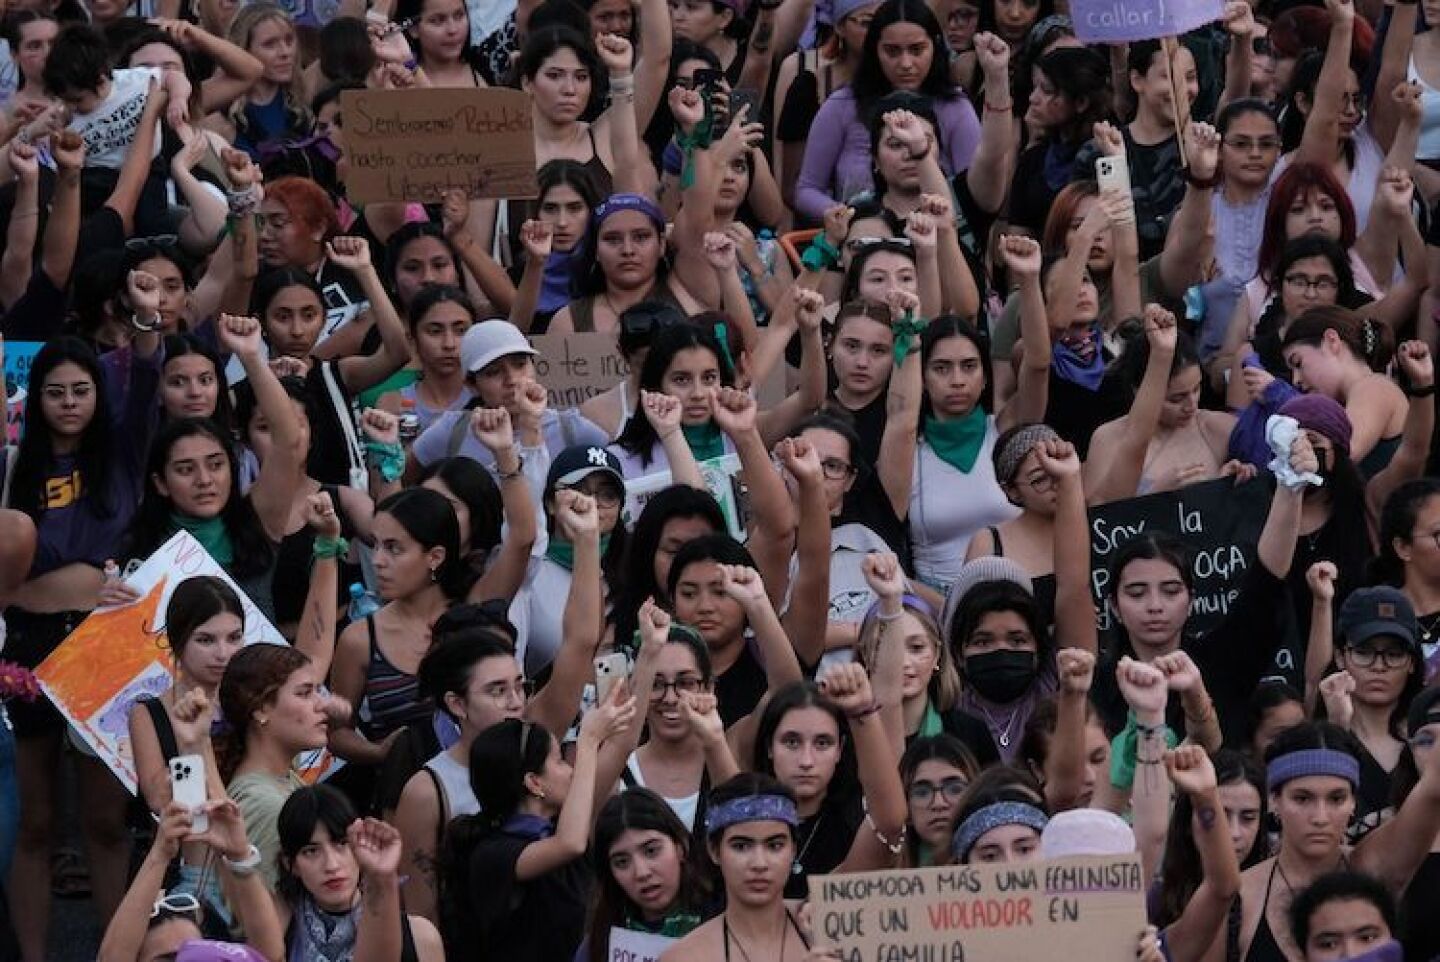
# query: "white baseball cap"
[[486, 341]]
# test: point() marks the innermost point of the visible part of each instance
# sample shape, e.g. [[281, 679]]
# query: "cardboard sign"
[[1121, 21], [628, 946], [413, 145], [1220, 523], [129, 641], [576, 367], [1093, 907]]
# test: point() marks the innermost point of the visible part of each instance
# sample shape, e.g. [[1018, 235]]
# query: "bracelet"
[[622, 83], [145, 327], [1426, 391], [999, 110], [882, 617], [863, 713], [244, 201], [512, 475], [1149, 731], [821, 254], [327, 548], [895, 847], [245, 867], [15, 215], [1209, 183], [1149, 761]]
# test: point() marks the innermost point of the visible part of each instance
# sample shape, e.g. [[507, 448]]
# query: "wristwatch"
[[145, 327], [245, 867]]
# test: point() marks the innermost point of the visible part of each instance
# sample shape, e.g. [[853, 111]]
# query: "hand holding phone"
[[187, 786], [609, 671]]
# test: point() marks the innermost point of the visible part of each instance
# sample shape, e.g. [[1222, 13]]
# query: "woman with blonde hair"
[[275, 108]]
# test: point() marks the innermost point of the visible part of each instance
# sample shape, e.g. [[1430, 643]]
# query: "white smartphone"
[[1112, 172], [187, 786], [609, 670]]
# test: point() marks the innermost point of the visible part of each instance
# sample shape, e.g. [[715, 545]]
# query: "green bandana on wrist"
[[562, 552], [958, 442], [906, 329]]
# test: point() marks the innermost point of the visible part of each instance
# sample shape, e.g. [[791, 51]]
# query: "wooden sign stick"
[[1171, 47]]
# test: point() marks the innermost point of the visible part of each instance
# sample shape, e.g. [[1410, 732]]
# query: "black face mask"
[[1001, 676]]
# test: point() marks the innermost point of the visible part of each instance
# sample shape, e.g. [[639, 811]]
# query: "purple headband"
[[1312, 761], [992, 817], [1316, 412], [751, 808], [636, 202]]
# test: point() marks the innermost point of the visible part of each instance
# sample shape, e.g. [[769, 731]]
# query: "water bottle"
[[409, 422], [363, 603]]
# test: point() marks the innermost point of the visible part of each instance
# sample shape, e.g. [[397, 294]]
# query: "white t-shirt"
[[110, 128]]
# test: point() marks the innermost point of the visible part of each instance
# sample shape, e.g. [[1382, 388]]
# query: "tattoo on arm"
[[1206, 816]]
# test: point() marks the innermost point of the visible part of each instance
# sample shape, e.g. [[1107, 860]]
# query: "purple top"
[[72, 528], [837, 156]]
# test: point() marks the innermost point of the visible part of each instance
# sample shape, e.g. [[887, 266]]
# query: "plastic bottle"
[[409, 421], [363, 603]]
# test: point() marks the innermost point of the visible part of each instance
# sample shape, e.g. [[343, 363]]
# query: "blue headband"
[[751, 808], [1312, 761], [615, 203], [992, 817]]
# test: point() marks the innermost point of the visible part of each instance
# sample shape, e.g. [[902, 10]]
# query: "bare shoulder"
[[702, 945], [428, 945]]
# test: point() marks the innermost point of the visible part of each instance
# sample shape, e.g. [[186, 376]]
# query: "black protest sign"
[[1220, 523]]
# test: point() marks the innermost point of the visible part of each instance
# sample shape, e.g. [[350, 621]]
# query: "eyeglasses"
[[682, 685], [175, 903], [1315, 285], [884, 243], [1260, 46], [59, 392], [1040, 484], [1355, 101], [500, 690], [159, 242], [1249, 145], [1365, 656], [836, 470], [923, 793], [605, 496]]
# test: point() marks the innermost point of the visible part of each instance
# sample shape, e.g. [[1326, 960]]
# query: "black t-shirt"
[[1075, 411], [330, 457], [866, 502], [739, 688], [542, 920], [823, 840], [1422, 941], [1156, 184], [973, 733], [1232, 659]]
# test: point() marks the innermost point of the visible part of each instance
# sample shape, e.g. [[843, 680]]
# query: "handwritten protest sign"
[[628, 946], [129, 641], [1093, 907], [1121, 21], [576, 367], [1220, 523], [413, 145]]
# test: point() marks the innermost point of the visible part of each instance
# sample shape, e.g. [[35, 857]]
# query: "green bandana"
[[211, 534], [930, 723], [562, 552], [676, 925], [958, 442], [705, 440], [906, 329]]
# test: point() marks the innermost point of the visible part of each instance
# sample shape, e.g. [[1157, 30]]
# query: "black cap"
[[1371, 612], [578, 462]]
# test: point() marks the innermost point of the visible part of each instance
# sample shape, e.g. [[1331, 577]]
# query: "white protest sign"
[[117, 655], [628, 946], [721, 478]]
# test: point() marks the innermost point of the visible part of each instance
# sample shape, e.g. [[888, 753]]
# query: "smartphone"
[[187, 786], [745, 98], [609, 670], [1112, 172]]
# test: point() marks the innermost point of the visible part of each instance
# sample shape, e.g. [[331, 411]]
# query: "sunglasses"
[[175, 903], [158, 242]]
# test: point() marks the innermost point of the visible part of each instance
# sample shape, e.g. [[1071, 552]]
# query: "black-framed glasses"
[[1316, 285], [923, 793], [836, 470], [605, 495], [1365, 656], [681, 685], [1260, 46]]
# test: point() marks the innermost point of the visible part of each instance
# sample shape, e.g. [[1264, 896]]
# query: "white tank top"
[[454, 780], [684, 808], [1429, 147]]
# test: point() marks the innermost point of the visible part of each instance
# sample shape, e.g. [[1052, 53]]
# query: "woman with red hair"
[[297, 217]]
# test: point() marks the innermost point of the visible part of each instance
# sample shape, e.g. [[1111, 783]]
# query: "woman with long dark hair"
[[1409, 557], [78, 484], [904, 50], [515, 880], [648, 872], [937, 771], [670, 519]]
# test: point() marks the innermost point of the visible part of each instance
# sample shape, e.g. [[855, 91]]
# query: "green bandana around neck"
[[931, 724], [705, 440], [211, 534], [958, 442], [562, 552]]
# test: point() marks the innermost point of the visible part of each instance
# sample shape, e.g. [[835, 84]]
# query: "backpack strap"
[[444, 808], [458, 432], [345, 414], [8, 464], [164, 730]]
